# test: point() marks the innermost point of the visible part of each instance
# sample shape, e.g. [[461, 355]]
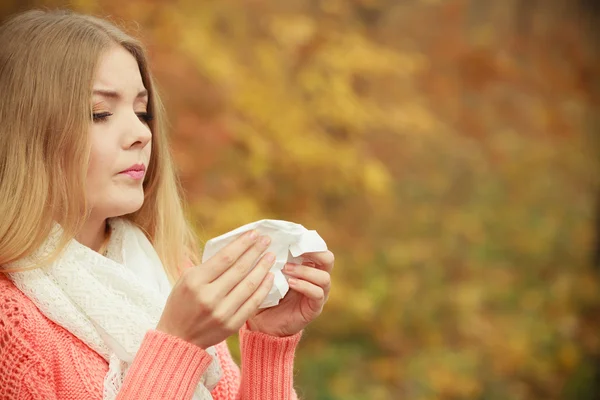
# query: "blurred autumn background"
[[447, 150]]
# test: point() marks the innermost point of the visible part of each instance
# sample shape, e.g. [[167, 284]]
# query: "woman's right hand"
[[212, 301]]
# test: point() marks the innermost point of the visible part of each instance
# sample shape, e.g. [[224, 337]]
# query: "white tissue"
[[288, 242]]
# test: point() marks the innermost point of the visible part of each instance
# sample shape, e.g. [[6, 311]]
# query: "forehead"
[[118, 69]]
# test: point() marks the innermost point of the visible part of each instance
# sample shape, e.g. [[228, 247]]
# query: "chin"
[[126, 205]]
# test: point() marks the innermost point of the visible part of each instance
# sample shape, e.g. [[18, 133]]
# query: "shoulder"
[[21, 323], [25, 327], [17, 312]]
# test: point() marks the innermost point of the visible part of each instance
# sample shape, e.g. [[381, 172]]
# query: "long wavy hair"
[[48, 61]]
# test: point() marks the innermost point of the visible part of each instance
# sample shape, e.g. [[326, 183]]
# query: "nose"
[[138, 133]]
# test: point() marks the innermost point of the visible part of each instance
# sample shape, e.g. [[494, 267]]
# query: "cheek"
[[101, 161], [148, 153]]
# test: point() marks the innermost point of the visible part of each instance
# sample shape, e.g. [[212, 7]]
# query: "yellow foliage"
[[447, 162]]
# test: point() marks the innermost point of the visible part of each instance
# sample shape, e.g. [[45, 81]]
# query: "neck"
[[93, 234]]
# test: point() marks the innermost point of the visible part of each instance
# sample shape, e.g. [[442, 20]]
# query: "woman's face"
[[119, 135]]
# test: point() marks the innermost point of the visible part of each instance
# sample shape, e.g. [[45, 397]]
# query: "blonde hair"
[[48, 61]]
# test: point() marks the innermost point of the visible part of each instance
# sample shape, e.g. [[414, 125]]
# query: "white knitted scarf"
[[108, 302]]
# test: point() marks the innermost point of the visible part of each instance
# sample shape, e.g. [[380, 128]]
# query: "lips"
[[136, 171]]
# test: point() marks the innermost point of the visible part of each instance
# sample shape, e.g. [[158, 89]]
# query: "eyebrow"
[[116, 95]]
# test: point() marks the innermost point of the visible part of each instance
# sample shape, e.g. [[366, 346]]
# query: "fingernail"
[[290, 267], [266, 240], [253, 234], [269, 257], [292, 281]]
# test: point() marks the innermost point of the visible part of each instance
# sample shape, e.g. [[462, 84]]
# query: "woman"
[[92, 236]]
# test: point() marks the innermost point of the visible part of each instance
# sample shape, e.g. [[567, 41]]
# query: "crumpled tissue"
[[288, 242]]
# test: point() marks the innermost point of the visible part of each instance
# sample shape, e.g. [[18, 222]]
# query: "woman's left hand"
[[310, 283]]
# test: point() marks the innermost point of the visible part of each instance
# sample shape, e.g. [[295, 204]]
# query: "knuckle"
[[185, 274], [227, 259], [241, 268], [205, 301], [329, 257], [188, 285], [321, 295], [228, 325], [256, 302], [231, 327], [327, 280], [251, 285], [268, 260], [219, 318]]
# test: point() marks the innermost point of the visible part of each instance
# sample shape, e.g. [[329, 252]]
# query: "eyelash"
[[102, 117]]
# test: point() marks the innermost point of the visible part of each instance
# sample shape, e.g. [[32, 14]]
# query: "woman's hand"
[[310, 283], [212, 301]]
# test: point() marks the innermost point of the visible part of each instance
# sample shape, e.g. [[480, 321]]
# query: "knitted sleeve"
[[267, 368], [165, 367]]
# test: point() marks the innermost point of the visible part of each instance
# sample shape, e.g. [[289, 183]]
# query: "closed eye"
[[145, 117], [101, 117]]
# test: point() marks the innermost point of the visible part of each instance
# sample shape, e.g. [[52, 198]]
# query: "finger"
[[249, 308], [313, 275], [323, 259], [249, 284], [227, 256], [238, 271], [314, 293]]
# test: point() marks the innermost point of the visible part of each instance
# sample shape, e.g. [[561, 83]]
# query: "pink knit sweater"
[[41, 360]]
